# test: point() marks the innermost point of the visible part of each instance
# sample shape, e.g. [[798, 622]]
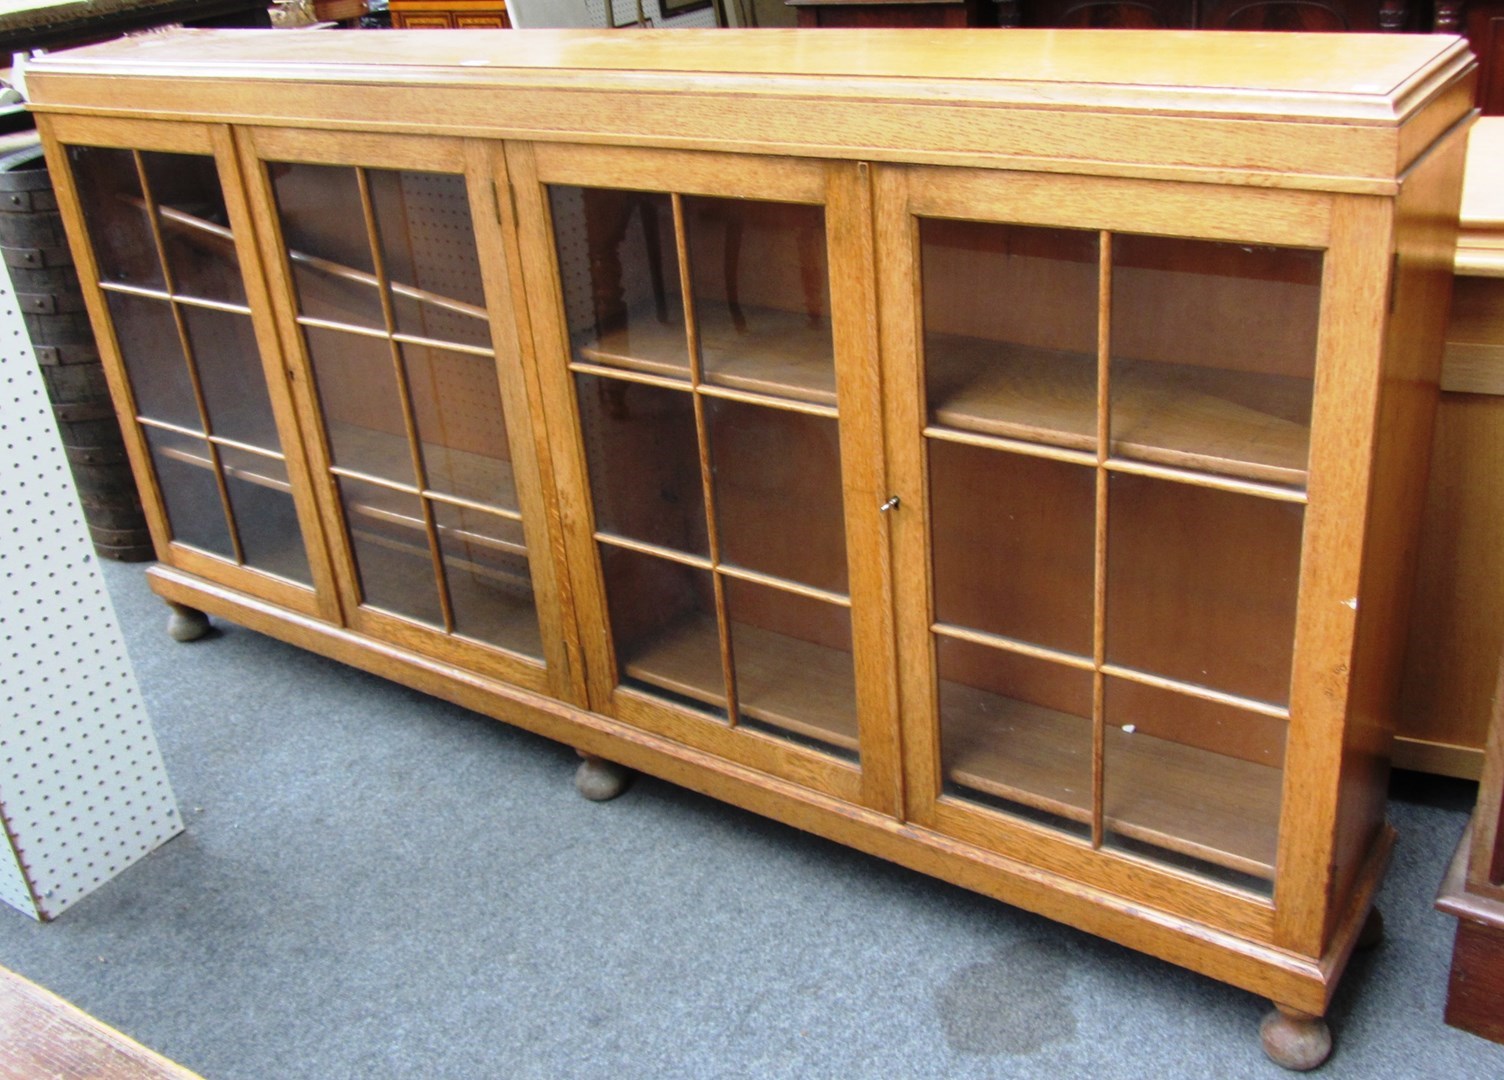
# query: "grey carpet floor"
[[376, 884]]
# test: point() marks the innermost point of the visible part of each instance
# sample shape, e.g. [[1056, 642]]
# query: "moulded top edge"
[[1353, 78]]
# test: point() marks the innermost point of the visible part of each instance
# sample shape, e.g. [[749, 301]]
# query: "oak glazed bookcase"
[[997, 452]]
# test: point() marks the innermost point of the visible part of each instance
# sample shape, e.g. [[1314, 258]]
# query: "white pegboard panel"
[[83, 793]]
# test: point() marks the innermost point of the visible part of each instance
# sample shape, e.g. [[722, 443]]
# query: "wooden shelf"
[[407, 584], [1235, 423], [1017, 751], [1219, 809], [784, 682], [250, 476], [474, 477], [779, 353]]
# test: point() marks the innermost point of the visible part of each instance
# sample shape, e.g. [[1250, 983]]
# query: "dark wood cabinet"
[[910, 14], [1482, 21]]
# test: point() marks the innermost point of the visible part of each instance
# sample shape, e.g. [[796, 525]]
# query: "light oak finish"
[[43, 1035], [1458, 614], [996, 453]]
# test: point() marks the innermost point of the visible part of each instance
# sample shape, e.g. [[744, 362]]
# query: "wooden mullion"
[[702, 439], [624, 543], [180, 298], [1099, 601], [1214, 481], [772, 581], [767, 401], [1044, 450], [404, 397], [1202, 693], [199, 401], [1011, 645]]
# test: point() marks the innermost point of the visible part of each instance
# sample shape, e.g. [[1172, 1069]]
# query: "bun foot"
[[1372, 934], [186, 623], [1295, 1040], [598, 779]]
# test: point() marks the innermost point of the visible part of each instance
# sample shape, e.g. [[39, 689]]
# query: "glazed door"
[[708, 356], [390, 279], [169, 269], [1100, 403]]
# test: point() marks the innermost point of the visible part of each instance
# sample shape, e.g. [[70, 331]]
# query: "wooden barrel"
[[47, 291]]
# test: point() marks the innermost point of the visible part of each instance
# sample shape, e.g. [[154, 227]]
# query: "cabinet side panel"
[[1425, 240]]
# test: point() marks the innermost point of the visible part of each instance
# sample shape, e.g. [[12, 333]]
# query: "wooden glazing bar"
[[707, 479], [727, 393], [1206, 480], [1205, 693], [335, 269], [185, 343], [606, 371], [404, 397], [166, 425], [1012, 446], [741, 573], [247, 448], [397, 336], [1099, 573], [248, 475], [177, 298], [1012, 645], [699, 562], [471, 504]]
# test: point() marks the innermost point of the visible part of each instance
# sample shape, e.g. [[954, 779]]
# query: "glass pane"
[[490, 586], [1015, 734], [195, 226], [663, 624], [230, 372], [153, 355], [362, 411], [1014, 545], [1193, 783], [457, 405], [794, 673], [185, 474], [1010, 330], [1213, 355], [778, 492], [391, 551], [762, 296], [619, 266], [428, 248], [265, 516], [1201, 585], [323, 227], [114, 208], [644, 461]]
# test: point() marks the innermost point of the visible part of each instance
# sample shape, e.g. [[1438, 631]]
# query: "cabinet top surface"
[[1483, 184], [1480, 241], [1363, 77]]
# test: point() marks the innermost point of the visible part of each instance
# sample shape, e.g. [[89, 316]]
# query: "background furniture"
[[1473, 893], [75, 22], [525, 422], [1482, 21], [1457, 621], [1467, 558], [449, 14]]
